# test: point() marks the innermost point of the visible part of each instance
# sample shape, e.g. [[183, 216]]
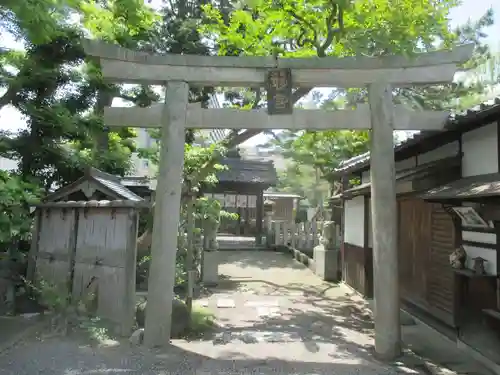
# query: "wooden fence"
[[297, 235]]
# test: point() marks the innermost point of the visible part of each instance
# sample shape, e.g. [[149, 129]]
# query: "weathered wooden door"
[[414, 248], [106, 253], [55, 246], [440, 276]]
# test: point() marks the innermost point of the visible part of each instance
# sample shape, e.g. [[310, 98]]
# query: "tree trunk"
[[144, 244]]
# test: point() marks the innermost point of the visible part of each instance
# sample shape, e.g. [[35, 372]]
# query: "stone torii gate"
[[177, 72]]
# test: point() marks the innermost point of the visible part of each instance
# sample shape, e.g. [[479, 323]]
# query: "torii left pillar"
[[166, 217]]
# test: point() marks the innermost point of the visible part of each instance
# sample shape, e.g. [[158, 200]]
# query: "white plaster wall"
[[142, 167], [400, 165], [404, 187], [490, 238], [354, 221], [480, 154], [406, 164], [475, 251], [450, 149], [365, 177]]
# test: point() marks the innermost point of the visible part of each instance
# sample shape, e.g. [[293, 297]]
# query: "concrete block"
[[210, 267], [326, 263]]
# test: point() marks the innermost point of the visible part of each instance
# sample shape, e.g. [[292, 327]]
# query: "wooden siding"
[[414, 240], [441, 278], [283, 208], [358, 268], [426, 239]]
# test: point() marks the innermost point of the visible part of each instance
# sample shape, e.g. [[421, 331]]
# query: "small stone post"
[[190, 254], [326, 254], [268, 215], [210, 265]]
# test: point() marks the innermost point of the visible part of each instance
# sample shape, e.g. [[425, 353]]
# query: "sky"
[[10, 119]]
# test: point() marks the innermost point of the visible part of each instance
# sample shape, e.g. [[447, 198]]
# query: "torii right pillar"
[[384, 223]]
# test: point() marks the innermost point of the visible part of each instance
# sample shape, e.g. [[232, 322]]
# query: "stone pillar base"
[[210, 266], [327, 263]]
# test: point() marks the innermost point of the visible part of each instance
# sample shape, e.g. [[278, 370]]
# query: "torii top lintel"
[[124, 65]]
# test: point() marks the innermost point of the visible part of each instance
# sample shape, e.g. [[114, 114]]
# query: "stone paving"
[[274, 315]]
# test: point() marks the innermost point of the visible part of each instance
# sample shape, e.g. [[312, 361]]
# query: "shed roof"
[[102, 203], [248, 171], [460, 122], [481, 186], [107, 183]]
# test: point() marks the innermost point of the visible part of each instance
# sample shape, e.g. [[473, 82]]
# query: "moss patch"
[[202, 322]]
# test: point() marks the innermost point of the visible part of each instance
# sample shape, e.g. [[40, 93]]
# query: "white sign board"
[[230, 200], [220, 198], [252, 201], [241, 201]]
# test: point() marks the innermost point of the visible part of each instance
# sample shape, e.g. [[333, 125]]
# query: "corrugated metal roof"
[[119, 189], [456, 121]]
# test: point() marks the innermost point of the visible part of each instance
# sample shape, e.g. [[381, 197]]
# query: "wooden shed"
[[285, 205], [85, 233]]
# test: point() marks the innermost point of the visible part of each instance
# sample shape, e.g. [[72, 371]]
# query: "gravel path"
[[276, 318]]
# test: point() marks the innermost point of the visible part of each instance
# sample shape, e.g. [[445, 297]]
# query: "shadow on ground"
[[323, 330], [315, 319], [63, 356], [258, 259]]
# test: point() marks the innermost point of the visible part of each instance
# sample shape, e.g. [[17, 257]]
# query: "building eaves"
[[458, 121], [473, 187]]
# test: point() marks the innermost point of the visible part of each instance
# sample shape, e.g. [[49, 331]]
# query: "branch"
[[255, 104], [126, 97], [236, 138], [10, 94], [331, 31], [336, 14], [311, 27]]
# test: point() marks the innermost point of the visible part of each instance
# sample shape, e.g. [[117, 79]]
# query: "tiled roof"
[[248, 171], [481, 186], [459, 121]]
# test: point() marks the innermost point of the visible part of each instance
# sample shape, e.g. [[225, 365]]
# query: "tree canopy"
[[341, 28]]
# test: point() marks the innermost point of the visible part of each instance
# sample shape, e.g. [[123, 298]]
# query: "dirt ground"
[[274, 316]]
